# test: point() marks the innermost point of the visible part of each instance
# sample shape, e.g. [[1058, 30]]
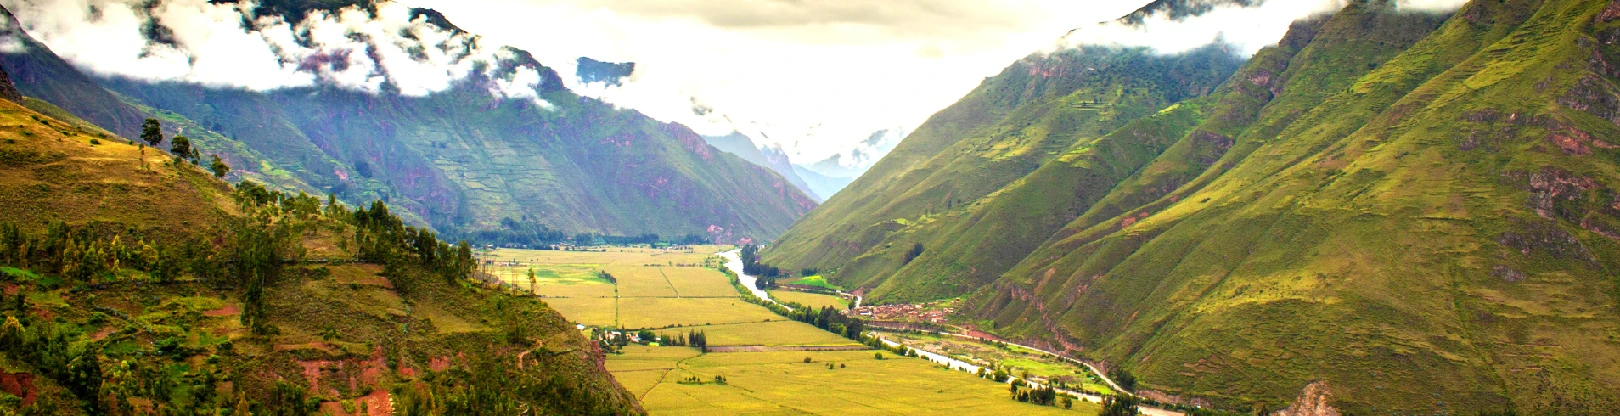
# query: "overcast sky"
[[815, 77]]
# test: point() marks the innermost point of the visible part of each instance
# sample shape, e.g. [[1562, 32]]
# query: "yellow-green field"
[[781, 383], [1016, 360], [674, 292], [777, 332], [814, 300]]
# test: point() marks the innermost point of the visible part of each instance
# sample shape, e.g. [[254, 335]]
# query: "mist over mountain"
[[378, 101], [1317, 207], [769, 157]]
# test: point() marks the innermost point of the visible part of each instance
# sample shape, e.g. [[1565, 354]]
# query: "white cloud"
[[1247, 28], [815, 78], [210, 44]]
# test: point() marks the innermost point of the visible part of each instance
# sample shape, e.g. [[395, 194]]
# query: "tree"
[[532, 280], [1123, 378], [181, 147], [916, 250], [219, 167], [1119, 406], [152, 132]]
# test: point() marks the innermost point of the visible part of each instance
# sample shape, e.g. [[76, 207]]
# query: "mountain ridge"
[[453, 160], [1390, 212]]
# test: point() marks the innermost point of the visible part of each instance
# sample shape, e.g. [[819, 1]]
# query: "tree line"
[[533, 234], [766, 274]]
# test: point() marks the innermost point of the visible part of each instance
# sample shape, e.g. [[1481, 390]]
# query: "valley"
[[357, 207], [676, 291]]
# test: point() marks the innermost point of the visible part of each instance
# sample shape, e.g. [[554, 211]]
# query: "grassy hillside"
[[460, 161], [1420, 229], [142, 286], [1033, 112]]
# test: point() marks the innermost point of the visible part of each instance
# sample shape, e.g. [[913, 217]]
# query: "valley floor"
[[677, 291]]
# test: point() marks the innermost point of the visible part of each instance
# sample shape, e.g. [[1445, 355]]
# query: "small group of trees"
[[1123, 378], [181, 147], [1122, 405], [830, 320], [912, 254], [766, 274], [1041, 395]]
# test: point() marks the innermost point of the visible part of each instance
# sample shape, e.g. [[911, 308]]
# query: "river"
[[734, 262]]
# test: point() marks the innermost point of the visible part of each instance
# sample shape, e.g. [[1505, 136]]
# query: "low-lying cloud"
[[1249, 27], [228, 45], [816, 78]]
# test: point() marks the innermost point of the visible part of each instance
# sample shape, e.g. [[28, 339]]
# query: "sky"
[[815, 78]]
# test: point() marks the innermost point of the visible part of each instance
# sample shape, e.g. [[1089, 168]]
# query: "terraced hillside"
[[462, 161], [1391, 212], [136, 284]]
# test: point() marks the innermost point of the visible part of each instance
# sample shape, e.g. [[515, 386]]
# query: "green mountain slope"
[[1427, 231], [136, 285], [461, 161], [1033, 112]]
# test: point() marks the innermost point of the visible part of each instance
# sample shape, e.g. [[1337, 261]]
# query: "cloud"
[[227, 45], [814, 77], [1248, 25]]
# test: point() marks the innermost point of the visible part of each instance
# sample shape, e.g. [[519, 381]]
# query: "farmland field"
[[1016, 360], [677, 291], [814, 300], [782, 383], [816, 280]]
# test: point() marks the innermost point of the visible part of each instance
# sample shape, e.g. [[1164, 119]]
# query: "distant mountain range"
[[464, 160], [1387, 212], [823, 178]]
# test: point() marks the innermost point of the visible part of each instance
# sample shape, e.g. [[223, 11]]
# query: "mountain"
[[1388, 212], [1036, 110], [139, 284], [471, 160], [822, 184], [769, 157]]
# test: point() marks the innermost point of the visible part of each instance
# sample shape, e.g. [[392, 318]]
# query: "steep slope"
[[772, 158], [136, 285], [462, 160], [1428, 231], [1013, 123]]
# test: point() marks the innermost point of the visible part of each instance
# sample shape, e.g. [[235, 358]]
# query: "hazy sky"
[[813, 76]]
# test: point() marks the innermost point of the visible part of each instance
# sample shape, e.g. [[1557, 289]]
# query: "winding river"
[[734, 262]]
